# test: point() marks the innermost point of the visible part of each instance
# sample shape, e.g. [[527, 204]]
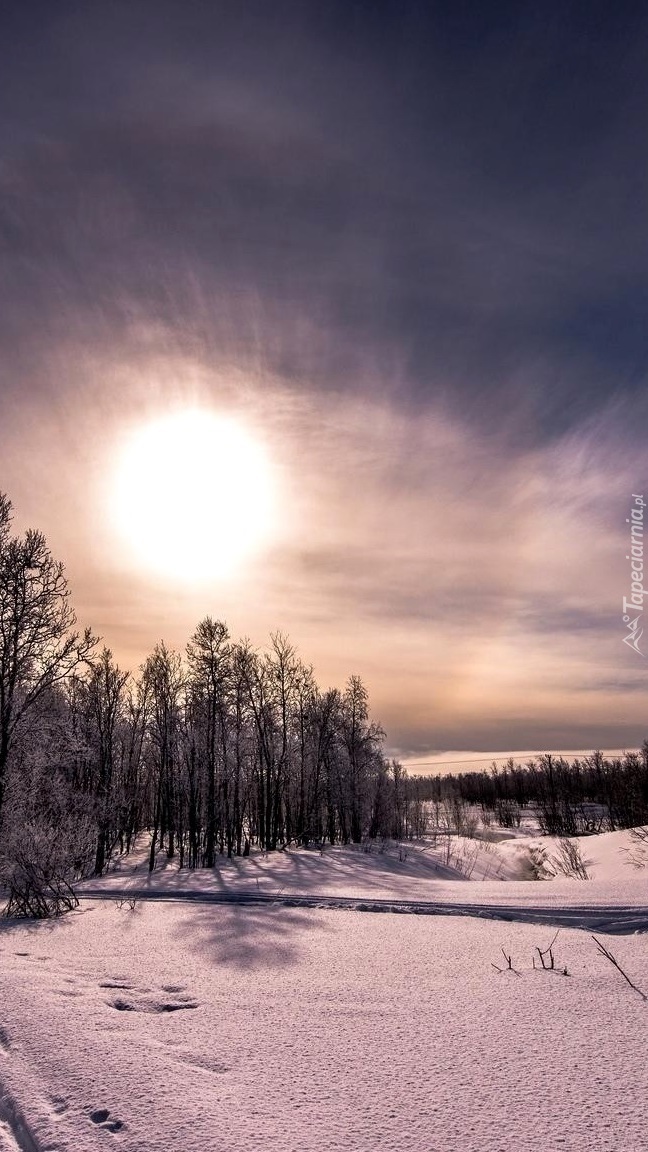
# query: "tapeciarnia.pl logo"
[[633, 607]]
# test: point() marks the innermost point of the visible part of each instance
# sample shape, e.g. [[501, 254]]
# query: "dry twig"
[[509, 965], [608, 956]]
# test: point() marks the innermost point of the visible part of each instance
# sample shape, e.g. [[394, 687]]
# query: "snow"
[[189, 1025]]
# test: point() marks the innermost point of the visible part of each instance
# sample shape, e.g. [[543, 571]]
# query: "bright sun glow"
[[193, 495]]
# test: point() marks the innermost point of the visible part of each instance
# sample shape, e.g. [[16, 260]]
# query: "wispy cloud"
[[409, 252], [475, 582]]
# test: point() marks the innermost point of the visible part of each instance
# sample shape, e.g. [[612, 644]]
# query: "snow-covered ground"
[[184, 1025]]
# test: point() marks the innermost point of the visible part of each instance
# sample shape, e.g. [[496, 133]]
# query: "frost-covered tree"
[[164, 680], [39, 647], [209, 664], [104, 701]]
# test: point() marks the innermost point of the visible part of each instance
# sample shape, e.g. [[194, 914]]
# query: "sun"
[[193, 495]]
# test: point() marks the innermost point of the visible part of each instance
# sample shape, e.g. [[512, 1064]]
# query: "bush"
[[569, 860], [37, 873]]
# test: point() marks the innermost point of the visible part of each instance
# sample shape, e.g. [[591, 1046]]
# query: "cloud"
[[335, 193], [407, 248], [475, 583]]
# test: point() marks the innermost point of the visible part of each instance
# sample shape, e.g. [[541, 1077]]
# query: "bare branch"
[[608, 956]]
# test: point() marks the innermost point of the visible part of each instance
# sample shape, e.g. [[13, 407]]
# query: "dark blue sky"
[[455, 189]]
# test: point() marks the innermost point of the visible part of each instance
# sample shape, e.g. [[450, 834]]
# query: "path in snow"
[[15, 1135], [612, 919]]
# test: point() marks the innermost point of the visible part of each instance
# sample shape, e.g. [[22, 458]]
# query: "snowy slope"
[[407, 870], [191, 1027], [423, 876]]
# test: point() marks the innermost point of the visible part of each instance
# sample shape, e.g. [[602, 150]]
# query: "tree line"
[[210, 751], [223, 747], [593, 793]]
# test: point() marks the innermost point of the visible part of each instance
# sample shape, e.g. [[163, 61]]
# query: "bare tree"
[[38, 644], [209, 660], [361, 740], [105, 699], [164, 681]]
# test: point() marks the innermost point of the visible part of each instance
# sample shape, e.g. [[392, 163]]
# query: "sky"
[[399, 251]]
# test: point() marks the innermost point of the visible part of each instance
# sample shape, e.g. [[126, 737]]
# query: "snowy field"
[[190, 1026]]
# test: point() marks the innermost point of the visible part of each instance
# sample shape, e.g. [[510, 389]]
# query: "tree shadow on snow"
[[248, 937], [35, 928], [347, 868]]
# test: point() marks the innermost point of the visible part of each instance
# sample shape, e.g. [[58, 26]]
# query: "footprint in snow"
[[151, 1005], [205, 1063], [101, 1117], [146, 1000]]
